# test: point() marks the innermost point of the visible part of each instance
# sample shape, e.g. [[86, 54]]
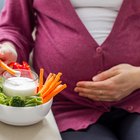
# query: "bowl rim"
[[32, 71]]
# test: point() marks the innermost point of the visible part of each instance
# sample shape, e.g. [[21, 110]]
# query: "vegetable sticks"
[[54, 93], [41, 75], [46, 85], [10, 70], [47, 92], [54, 82], [49, 76], [51, 87], [58, 83]]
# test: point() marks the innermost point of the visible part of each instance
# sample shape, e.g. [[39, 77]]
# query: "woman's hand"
[[7, 53], [111, 85]]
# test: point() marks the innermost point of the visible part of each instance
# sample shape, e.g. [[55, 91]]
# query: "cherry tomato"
[[16, 65]]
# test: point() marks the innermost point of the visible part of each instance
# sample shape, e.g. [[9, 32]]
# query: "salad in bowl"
[[25, 97]]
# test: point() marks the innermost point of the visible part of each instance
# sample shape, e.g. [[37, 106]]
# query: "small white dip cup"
[[25, 85]]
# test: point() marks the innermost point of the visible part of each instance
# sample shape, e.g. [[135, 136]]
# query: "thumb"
[[104, 75]]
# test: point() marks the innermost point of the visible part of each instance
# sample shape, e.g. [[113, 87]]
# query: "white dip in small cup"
[[20, 86]]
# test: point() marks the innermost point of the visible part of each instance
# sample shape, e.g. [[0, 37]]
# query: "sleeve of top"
[[16, 25]]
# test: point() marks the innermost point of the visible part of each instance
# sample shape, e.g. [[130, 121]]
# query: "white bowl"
[[22, 116]]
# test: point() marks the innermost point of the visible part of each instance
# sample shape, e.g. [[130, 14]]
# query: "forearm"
[[18, 32]]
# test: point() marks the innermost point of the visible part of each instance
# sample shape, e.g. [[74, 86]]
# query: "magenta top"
[[64, 44]]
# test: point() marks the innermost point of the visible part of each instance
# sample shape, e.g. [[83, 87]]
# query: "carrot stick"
[[46, 85], [54, 93], [58, 83], [49, 76], [10, 70], [52, 86], [41, 78], [46, 93]]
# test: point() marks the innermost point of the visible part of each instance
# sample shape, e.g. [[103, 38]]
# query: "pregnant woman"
[[96, 45]]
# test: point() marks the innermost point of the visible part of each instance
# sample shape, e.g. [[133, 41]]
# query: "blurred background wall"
[[1, 4]]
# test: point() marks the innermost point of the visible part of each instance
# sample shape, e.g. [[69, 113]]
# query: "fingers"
[[97, 91], [99, 95], [90, 91], [1, 71], [105, 75], [102, 85], [90, 96], [8, 52], [97, 98]]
